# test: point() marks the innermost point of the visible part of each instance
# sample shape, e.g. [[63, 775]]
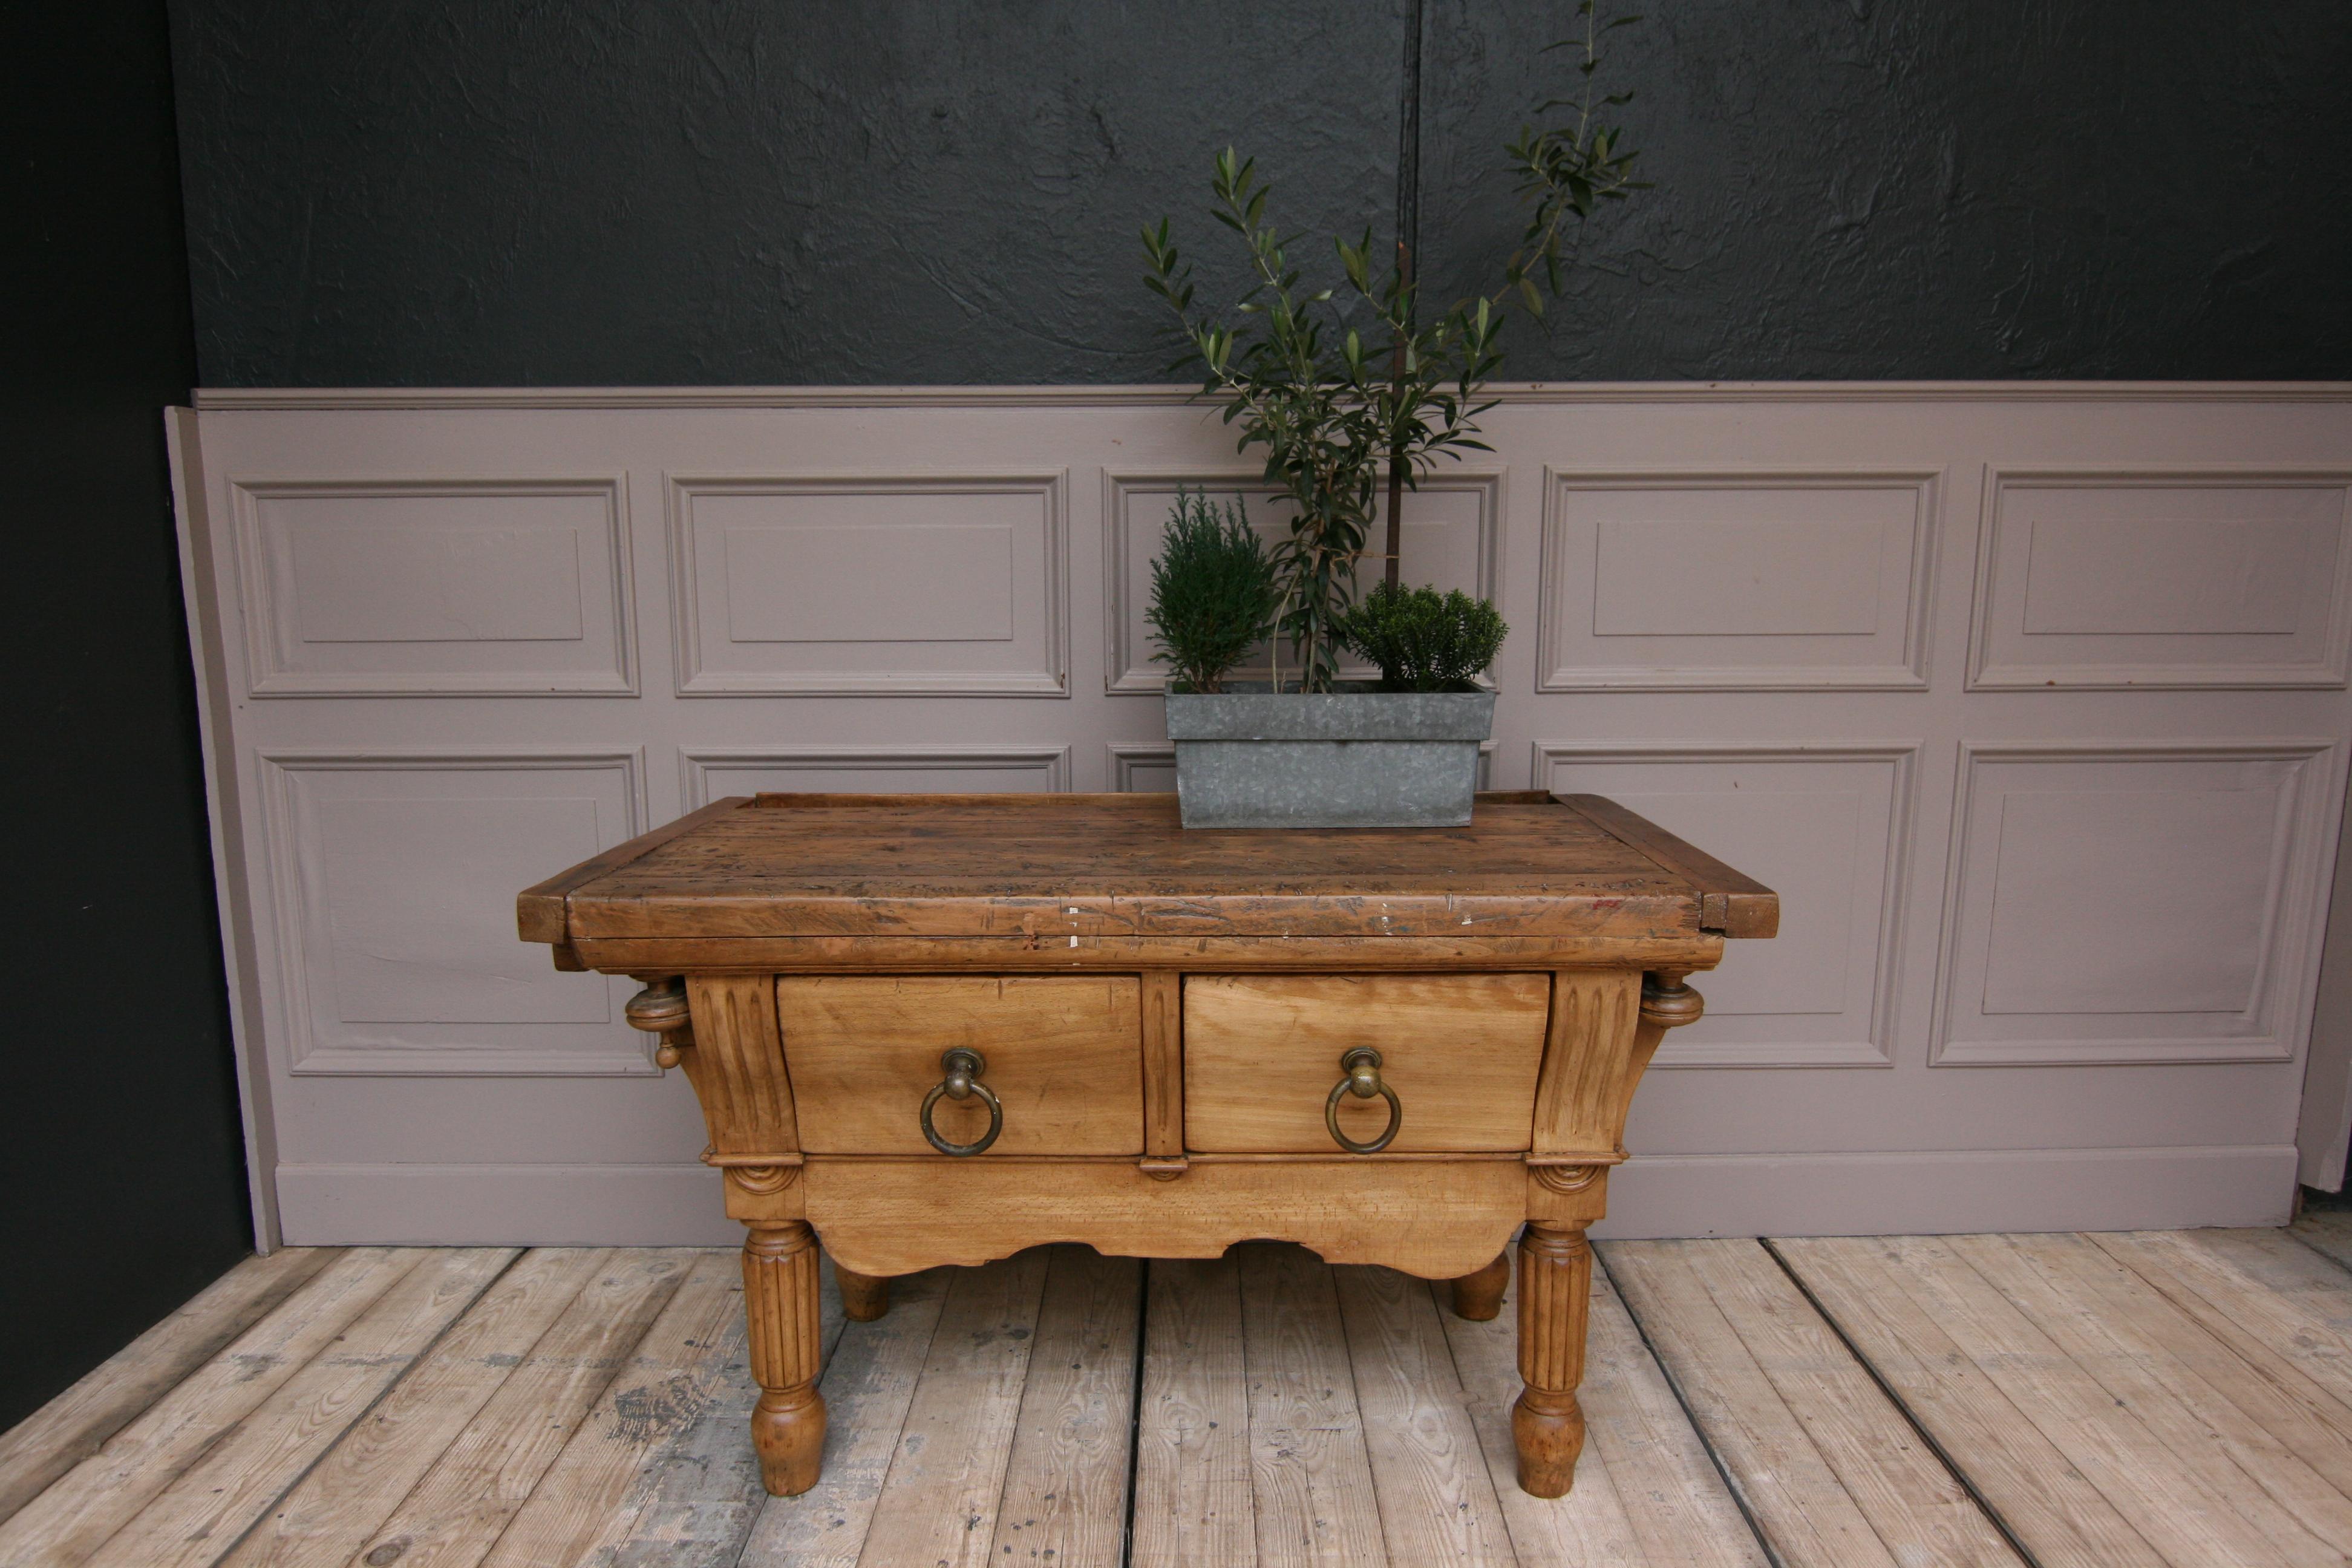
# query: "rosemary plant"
[[1214, 592]]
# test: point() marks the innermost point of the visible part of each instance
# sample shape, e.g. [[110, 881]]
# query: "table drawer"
[[1262, 1054], [1064, 1055]]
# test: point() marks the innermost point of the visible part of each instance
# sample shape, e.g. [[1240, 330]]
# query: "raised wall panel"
[[1827, 827], [394, 880], [2097, 579], [948, 584], [1735, 581], [419, 587], [709, 773], [1451, 539], [2133, 903], [1145, 766]]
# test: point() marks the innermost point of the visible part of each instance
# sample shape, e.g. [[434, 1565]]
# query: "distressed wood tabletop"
[[1050, 866]]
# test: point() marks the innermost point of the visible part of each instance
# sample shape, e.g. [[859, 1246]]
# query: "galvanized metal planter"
[[1346, 759]]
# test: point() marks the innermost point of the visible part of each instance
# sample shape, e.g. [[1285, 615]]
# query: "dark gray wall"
[[509, 190], [121, 1176], [1925, 188]]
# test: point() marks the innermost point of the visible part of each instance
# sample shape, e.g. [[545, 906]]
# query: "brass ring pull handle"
[[1362, 1067], [963, 1070]]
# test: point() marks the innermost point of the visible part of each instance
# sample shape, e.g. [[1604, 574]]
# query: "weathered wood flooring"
[[2178, 1399]]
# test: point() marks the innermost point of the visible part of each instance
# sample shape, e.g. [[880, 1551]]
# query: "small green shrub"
[[1214, 591], [1421, 640]]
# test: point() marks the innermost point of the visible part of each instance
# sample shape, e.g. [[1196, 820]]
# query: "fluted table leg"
[[780, 1301], [1555, 1298]]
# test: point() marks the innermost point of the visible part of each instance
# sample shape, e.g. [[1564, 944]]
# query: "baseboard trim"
[[1946, 1192], [504, 1205], [1660, 1196]]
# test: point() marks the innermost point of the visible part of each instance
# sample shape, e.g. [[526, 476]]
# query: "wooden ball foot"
[[1479, 1297], [1547, 1429], [788, 1430], [863, 1297]]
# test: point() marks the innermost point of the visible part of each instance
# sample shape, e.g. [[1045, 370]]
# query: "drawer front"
[[1064, 1055], [1262, 1055]]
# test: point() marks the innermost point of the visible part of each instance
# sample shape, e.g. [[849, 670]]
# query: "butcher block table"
[[933, 1030]]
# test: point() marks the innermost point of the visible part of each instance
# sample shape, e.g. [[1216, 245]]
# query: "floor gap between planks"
[[2163, 1398]]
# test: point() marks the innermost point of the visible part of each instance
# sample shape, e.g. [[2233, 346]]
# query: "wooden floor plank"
[[669, 1377], [190, 1522], [2325, 1230], [71, 1428], [473, 1489], [938, 1501], [1912, 1499], [376, 1462], [1793, 1488], [2310, 1421], [75, 1514], [2156, 1400], [2282, 1287], [1193, 1497], [1680, 1508], [698, 1496], [1065, 1499], [2265, 1327], [1437, 1501], [2121, 1331], [1647, 1491], [2172, 1502], [1310, 1471], [2063, 1519], [868, 1382]]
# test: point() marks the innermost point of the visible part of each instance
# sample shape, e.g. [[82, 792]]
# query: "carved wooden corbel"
[[660, 1009]]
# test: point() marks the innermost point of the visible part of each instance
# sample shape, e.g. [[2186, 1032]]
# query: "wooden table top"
[[1529, 864]]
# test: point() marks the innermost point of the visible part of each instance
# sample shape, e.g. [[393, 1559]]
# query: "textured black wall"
[[120, 1161], [506, 191]]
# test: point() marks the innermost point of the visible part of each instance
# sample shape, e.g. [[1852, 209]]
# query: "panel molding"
[[2289, 964], [259, 609], [697, 763], [2330, 670], [1121, 679], [288, 914], [1877, 1048], [1126, 756], [1553, 673], [687, 610]]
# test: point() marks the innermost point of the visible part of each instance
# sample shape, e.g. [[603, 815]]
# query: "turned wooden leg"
[[863, 1297], [780, 1301], [1555, 1295], [1479, 1297]]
